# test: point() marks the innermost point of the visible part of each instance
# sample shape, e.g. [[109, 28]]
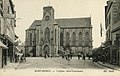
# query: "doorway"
[[46, 50]]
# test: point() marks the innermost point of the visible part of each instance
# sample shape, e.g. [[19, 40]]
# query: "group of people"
[[68, 55], [81, 55], [20, 58]]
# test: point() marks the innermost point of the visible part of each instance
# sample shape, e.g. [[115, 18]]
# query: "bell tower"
[[48, 13]]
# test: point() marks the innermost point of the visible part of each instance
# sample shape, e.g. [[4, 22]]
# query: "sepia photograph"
[[59, 36]]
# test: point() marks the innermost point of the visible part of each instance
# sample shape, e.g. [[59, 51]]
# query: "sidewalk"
[[11, 65], [115, 67]]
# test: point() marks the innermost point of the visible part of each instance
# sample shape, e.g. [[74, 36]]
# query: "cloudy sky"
[[30, 10]]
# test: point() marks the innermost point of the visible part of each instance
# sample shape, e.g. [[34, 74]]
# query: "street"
[[58, 63]]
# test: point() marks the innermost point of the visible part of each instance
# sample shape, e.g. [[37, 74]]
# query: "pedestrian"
[[66, 55], [63, 54], [24, 58], [79, 55], [83, 56], [45, 56], [88, 55], [71, 54], [15, 58]]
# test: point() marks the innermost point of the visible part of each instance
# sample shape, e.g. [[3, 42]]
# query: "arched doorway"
[[46, 50]]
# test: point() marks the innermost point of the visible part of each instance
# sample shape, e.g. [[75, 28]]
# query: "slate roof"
[[68, 22], [33, 25], [74, 22]]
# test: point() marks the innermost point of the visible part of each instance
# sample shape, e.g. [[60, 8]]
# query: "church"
[[51, 36]]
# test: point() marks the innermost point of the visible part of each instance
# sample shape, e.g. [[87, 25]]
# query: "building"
[[51, 36], [112, 24], [7, 30], [116, 43]]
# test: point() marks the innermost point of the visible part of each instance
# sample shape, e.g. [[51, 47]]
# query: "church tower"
[[48, 13], [48, 30]]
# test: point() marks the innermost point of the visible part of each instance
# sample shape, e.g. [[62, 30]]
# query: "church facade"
[[51, 36]]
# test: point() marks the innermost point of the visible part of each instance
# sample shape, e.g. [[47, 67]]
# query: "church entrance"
[[46, 51]]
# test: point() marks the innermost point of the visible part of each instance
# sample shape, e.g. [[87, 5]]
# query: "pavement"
[[11, 65], [111, 66], [59, 63]]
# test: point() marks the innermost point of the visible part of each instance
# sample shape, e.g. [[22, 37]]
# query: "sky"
[[29, 10]]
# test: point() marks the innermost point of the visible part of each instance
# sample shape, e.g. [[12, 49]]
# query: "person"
[[71, 54], [66, 55], [24, 57], [88, 55], [63, 53], [45, 56], [83, 56], [79, 55], [15, 58]]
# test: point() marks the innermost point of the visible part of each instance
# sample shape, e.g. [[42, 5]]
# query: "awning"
[[3, 46]]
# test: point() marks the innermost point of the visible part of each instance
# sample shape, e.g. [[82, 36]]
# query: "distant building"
[[7, 30], [50, 36], [112, 24]]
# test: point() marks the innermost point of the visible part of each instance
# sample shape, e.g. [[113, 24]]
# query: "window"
[[47, 18], [67, 38], [74, 39], [47, 34], [61, 39], [37, 36], [109, 19], [86, 38], [30, 39], [55, 36], [80, 39]]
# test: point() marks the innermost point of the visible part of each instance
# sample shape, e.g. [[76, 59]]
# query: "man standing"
[[79, 55]]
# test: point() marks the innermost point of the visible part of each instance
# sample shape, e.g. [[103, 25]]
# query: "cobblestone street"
[[58, 63]]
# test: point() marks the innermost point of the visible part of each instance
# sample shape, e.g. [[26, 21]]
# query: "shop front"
[[2, 57], [115, 54]]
